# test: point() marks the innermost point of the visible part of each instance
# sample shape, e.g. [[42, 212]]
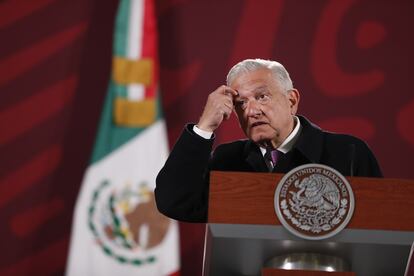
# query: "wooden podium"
[[243, 231]]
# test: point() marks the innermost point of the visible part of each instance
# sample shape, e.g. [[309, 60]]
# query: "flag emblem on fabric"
[[124, 221]]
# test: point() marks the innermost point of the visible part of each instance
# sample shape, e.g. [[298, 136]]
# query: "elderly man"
[[261, 94]]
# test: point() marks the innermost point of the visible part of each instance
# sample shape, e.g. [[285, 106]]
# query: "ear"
[[293, 97]]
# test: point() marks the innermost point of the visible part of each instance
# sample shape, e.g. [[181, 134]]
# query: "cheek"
[[277, 112], [271, 114]]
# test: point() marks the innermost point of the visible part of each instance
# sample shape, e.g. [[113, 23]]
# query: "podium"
[[243, 231]]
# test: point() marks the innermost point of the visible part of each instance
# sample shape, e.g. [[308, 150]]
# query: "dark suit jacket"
[[183, 183]]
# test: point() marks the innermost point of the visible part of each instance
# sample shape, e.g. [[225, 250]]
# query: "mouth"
[[256, 124]]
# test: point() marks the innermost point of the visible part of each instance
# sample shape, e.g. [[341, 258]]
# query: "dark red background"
[[350, 59]]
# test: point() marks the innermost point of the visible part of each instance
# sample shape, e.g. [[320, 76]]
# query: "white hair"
[[249, 65]]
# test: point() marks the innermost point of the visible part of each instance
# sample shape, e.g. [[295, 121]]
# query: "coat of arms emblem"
[[125, 222], [314, 201]]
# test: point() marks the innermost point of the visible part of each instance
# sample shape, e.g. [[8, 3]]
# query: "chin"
[[259, 138]]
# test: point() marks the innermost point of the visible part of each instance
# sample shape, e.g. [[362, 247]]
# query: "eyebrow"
[[261, 88], [257, 90]]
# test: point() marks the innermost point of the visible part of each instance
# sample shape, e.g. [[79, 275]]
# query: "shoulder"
[[230, 156], [354, 150], [340, 139], [237, 147], [346, 153], [329, 139]]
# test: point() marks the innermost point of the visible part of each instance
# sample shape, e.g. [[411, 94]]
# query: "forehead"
[[255, 81]]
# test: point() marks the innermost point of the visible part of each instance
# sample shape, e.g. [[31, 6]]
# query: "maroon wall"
[[350, 59], [55, 59]]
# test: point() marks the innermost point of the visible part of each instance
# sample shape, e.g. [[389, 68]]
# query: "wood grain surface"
[[248, 198]]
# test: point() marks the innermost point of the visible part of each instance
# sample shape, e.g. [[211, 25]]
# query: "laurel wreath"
[[106, 249], [315, 228]]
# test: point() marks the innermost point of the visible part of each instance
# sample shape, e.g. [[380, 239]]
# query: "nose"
[[253, 109]]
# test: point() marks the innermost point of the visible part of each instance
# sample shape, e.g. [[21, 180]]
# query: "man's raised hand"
[[219, 107]]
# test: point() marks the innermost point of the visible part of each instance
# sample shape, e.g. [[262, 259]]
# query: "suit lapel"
[[254, 157], [310, 142]]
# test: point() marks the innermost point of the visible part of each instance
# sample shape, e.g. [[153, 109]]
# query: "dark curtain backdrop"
[[351, 60]]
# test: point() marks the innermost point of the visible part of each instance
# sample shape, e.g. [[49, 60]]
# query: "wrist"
[[203, 133], [204, 127]]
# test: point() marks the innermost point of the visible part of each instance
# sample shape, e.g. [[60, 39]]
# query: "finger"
[[227, 112], [228, 100], [229, 105], [231, 92], [226, 90]]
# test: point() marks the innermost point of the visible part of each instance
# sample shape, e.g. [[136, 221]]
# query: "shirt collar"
[[287, 145]]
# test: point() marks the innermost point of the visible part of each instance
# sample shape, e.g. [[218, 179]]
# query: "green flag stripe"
[[121, 28], [110, 136], [121, 38]]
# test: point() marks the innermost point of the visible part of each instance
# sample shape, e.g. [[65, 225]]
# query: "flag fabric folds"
[[117, 229]]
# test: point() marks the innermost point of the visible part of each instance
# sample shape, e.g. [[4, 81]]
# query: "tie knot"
[[273, 155]]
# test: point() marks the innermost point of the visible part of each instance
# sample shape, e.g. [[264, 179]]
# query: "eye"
[[262, 98]]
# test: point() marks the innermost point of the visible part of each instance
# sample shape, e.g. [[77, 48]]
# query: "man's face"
[[265, 111]]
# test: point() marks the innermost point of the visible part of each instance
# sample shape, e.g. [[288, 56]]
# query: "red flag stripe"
[[33, 110], [20, 180], [22, 61], [149, 44], [28, 221], [13, 10]]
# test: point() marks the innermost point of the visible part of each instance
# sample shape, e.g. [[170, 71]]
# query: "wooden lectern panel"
[[380, 203]]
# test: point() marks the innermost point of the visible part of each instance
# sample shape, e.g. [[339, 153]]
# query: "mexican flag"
[[117, 229]]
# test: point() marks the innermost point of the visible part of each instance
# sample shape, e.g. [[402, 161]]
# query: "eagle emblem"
[[314, 201]]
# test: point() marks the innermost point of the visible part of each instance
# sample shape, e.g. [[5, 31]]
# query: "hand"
[[218, 108]]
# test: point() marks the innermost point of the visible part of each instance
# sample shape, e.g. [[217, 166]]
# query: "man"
[[261, 94]]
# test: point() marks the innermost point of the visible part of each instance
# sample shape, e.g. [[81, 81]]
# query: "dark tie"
[[273, 155]]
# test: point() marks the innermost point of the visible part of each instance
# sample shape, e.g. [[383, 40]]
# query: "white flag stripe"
[[135, 92], [135, 29], [142, 152]]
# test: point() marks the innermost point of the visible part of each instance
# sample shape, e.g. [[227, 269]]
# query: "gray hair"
[[249, 65]]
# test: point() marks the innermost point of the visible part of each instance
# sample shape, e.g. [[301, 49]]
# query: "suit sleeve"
[[182, 184]]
